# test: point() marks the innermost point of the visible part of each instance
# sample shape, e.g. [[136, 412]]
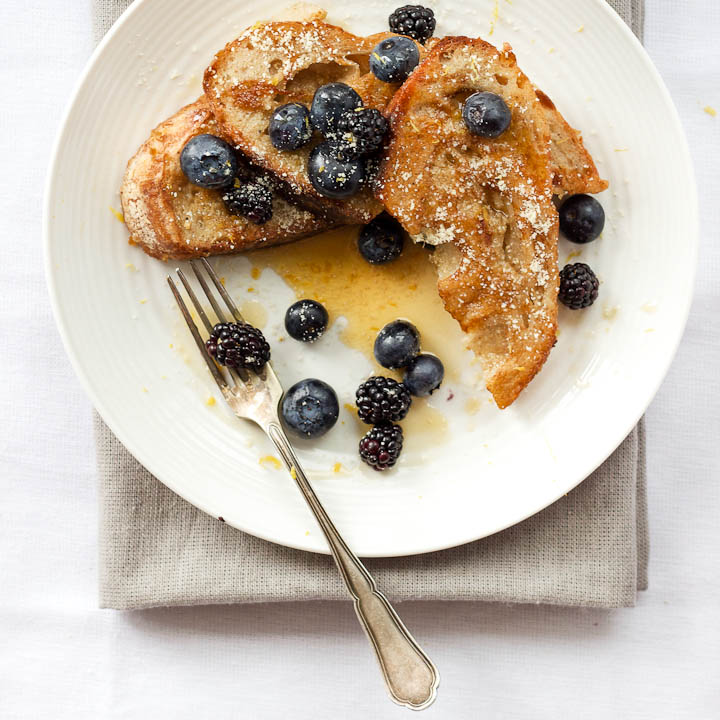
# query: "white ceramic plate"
[[117, 318]]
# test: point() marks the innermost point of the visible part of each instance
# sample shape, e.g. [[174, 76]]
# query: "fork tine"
[[223, 292], [208, 292], [214, 371], [239, 375], [195, 301]]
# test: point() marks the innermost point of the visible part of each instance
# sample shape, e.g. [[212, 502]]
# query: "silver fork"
[[410, 676]]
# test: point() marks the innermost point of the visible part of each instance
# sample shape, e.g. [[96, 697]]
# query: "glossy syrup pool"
[[360, 298]]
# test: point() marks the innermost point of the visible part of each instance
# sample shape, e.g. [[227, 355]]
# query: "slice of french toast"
[[274, 63], [169, 217], [572, 165], [486, 204]]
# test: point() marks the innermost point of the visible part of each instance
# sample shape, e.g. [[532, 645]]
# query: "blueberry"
[[381, 240], [397, 344], [310, 408], [289, 127], [582, 218], [486, 114], [306, 320], [393, 59], [329, 103], [208, 161], [424, 374], [331, 176]]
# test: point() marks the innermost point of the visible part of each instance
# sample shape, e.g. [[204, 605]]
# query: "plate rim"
[[106, 415]]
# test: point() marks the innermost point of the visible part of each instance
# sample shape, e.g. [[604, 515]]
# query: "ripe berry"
[[238, 345], [306, 320], [382, 399], [582, 218], [416, 21], [380, 447], [397, 344], [578, 286]]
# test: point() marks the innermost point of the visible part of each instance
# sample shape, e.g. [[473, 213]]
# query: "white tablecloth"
[[60, 657]]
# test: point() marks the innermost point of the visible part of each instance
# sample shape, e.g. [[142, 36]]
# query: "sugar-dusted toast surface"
[[279, 62], [573, 167], [486, 204], [168, 217]]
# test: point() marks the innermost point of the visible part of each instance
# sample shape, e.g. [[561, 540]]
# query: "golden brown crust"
[[573, 168], [486, 204], [279, 62], [168, 217]]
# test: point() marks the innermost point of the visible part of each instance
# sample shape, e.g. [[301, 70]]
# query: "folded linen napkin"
[[588, 549]]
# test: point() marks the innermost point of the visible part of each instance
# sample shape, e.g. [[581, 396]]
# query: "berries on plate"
[[382, 399], [289, 127], [306, 320], [423, 375], [486, 114], [329, 103], [238, 345], [414, 20], [380, 447], [251, 200], [578, 286], [208, 161], [397, 344], [331, 176], [381, 240], [310, 408], [392, 60], [582, 218], [362, 130]]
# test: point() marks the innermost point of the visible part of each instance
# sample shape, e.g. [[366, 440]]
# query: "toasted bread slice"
[[486, 204], [573, 168], [279, 62], [168, 217]]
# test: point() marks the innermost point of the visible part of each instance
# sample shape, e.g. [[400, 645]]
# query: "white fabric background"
[[60, 657]]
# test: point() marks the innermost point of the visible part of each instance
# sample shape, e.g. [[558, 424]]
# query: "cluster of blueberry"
[[352, 134], [210, 162], [582, 219]]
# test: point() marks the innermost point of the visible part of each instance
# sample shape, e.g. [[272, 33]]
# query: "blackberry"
[[252, 200], [238, 345], [578, 286], [380, 447], [381, 400], [362, 131], [416, 21]]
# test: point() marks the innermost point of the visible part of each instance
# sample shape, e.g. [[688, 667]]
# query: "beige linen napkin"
[[588, 549]]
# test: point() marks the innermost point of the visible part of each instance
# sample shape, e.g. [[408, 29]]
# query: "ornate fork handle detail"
[[409, 674]]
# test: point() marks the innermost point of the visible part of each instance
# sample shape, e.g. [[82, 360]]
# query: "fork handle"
[[409, 674]]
